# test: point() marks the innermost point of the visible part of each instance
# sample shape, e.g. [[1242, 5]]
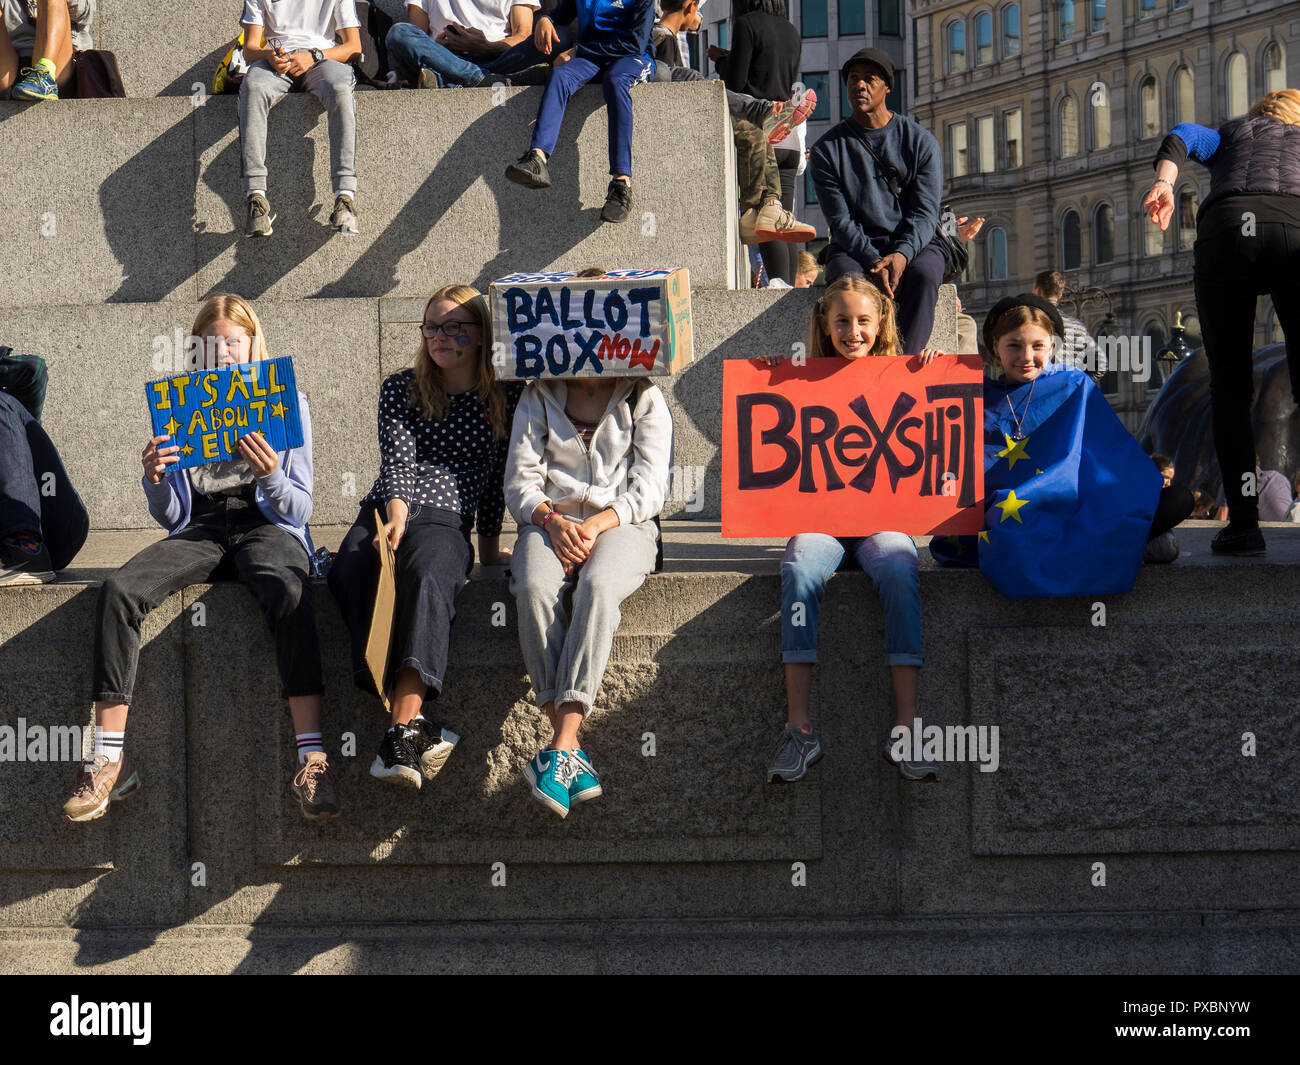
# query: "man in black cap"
[[879, 176]]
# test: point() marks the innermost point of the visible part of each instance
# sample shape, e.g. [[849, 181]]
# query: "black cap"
[[875, 57], [1025, 299]]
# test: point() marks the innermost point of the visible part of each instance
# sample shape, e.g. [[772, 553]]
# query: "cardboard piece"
[[627, 322], [380, 640], [205, 412], [851, 447]]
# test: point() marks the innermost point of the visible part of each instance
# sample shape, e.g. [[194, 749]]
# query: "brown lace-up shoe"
[[314, 788], [100, 782]]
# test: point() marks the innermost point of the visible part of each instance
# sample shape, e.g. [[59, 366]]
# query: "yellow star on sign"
[[187, 450], [1014, 451], [1011, 507], [279, 410], [171, 427], [984, 535]]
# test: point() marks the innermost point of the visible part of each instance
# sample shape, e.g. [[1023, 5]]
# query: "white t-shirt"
[[300, 25], [490, 16]]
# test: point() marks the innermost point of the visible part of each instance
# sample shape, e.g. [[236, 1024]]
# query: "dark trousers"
[[35, 492], [780, 257], [915, 295], [1174, 506], [1231, 271], [228, 534], [433, 559]]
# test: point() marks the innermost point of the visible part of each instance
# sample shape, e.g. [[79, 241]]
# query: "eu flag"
[[1070, 503]]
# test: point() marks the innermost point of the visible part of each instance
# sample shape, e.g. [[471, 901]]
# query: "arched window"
[[1184, 96], [1071, 255], [1099, 108], [1154, 327], [983, 38], [1010, 30], [1237, 85], [997, 244], [956, 47], [1274, 67], [1149, 94], [1103, 229], [1064, 19], [1069, 127], [1153, 238], [1146, 8], [1098, 12], [1188, 202]]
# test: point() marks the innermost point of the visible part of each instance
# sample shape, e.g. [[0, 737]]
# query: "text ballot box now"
[[558, 325], [851, 447], [206, 412]]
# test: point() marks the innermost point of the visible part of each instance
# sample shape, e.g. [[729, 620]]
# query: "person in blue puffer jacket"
[[613, 44]]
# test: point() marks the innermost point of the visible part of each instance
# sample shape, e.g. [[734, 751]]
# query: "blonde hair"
[[234, 309], [428, 394], [1284, 105], [807, 263], [819, 335]]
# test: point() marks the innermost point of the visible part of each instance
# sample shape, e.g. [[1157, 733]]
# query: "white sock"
[[108, 744], [308, 741], [256, 192], [345, 195]]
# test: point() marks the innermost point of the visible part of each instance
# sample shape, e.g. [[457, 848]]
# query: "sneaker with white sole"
[[550, 774], [433, 746], [99, 783], [919, 770], [397, 761], [344, 216], [796, 753], [585, 784], [24, 559], [258, 222]]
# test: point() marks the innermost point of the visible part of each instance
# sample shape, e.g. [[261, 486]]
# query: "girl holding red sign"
[[853, 320], [248, 515]]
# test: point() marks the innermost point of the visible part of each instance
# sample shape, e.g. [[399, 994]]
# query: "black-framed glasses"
[[449, 328]]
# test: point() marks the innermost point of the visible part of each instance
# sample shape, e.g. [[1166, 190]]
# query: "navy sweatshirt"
[[865, 219], [608, 29]]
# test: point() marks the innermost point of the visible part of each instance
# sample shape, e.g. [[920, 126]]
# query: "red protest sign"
[[851, 447]]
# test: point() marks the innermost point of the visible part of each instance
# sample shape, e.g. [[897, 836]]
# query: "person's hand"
[[593, 530], [278, 61], [772, 360], [395, 527], [928, 355], [155, 460], [464, 39], [1159, 204], [300, 63], [564, 57], [544, 36], [888, 270], [259, 455], [959, 305], [569, 540], [715, 53], [968, 228]]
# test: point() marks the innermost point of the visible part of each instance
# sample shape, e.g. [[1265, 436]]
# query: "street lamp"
[[1175, 351]]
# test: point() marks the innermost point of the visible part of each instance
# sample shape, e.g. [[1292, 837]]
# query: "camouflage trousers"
[[755, 165]]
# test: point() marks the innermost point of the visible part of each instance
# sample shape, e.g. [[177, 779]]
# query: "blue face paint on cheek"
[[461, 340]]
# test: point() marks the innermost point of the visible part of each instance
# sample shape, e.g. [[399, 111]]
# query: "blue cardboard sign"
[[206, 412]]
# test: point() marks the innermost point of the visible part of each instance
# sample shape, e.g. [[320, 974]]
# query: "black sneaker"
[[1238, 540], [397, 761], [530, 171], [24, 560], [618, 201], [433, 745], [258, 223]]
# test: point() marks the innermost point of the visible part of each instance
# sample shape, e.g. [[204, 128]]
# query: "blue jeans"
[[409, 47], [617, 78], [889, 558]]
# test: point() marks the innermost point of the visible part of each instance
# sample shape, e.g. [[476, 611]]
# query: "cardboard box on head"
[[560, 325]]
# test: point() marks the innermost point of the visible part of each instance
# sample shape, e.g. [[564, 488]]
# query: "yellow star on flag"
[[1014, 451], [1011, 507], [187, 450], [1039, 472], [984, 535], [956, 542], [171, 427], [279, 410]]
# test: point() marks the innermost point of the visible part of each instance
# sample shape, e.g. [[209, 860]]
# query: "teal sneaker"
[[585, 783], [35, 84], [551, 773]]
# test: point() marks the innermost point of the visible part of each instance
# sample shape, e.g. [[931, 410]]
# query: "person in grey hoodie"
[[586, 475]]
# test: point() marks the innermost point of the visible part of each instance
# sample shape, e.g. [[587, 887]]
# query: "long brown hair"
[[1009, 321], [429, 394], [234, 309], [819, 334]]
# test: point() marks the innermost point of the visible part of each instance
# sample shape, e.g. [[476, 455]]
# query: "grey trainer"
[[344, 216], [259, 217], [920, 770], [796, 753]]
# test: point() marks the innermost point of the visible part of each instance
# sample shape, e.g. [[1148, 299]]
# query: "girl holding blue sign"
[[853, 320], [247, 515], [442, 442]]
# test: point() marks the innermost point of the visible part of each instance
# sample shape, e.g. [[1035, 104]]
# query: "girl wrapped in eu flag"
[[1072, 500]]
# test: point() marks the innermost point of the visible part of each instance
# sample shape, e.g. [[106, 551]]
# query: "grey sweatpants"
[[567, 666], [331, 83]]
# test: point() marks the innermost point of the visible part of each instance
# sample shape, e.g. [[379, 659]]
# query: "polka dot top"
[[454, 464]]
